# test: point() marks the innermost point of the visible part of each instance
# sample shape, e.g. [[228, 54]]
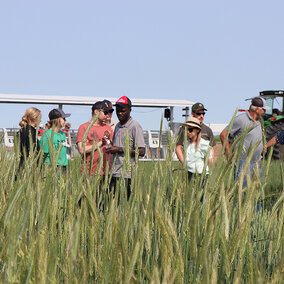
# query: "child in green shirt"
[[56, 121]]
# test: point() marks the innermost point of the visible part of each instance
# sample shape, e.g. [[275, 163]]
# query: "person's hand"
[[107, 134], [112, 149]]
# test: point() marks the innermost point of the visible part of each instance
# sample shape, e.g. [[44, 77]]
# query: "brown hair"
[[29, 117], [197, 139], [53, 123]]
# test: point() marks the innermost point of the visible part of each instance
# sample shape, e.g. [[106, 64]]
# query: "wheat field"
[[66, 229]]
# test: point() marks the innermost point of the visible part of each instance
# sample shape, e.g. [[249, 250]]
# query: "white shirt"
[[195, 159]]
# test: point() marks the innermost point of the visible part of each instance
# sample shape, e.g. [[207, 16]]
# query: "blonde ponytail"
[[53, 123], [29, 117]]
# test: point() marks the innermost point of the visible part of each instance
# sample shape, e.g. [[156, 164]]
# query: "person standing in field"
[[197, 149], [101, 133], [57, 137], [27, 133], [126, 124], [197, 111], [242, 123]]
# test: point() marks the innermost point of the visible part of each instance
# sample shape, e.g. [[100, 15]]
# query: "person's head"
[[123, 109], [31, 117], [107, 109], [198, 111], [258, 107], [57, 118], [104, 111], [193, 128]]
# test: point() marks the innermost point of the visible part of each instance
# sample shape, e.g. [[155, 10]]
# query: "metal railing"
[[156, 148]]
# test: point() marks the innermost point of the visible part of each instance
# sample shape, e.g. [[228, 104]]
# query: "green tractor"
[[274, 118]]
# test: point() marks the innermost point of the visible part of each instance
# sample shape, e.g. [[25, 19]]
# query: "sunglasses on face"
[[106, 112], [190, 129], [200, 113]]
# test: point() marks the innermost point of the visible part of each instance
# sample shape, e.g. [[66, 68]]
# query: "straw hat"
[[192, 122]]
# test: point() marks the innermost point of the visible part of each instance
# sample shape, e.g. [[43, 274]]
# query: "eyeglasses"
[[190, 129], [200, 113], [106, 112]]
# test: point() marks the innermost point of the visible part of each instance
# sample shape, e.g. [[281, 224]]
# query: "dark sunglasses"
[[200, 113], [108, 111], [190, 129]]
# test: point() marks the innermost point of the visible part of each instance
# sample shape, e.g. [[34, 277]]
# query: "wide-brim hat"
[[192, 122]]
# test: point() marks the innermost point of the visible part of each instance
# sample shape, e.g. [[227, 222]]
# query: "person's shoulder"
[[240, 119], [61, 132], [23, 130], [242, 116], [47, 132], [133, 123], [206, 127], [84, 125]]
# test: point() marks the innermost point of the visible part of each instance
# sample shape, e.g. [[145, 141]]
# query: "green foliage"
[[164, 233]]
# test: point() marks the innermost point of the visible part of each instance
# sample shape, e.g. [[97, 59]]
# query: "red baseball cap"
[[123, 101]]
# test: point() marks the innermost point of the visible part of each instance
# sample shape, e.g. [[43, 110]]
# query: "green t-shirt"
[[59, 141]]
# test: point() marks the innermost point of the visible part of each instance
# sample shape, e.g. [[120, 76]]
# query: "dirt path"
[[217, 151]]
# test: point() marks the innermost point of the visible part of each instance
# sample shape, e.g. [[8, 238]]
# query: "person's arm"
[[278, 138], [88, 148], [223, 135], [179, 152], [141, 152], [271, 142], [213, 153], [139, 140], [120, 150], [212, 142], [179, 145]]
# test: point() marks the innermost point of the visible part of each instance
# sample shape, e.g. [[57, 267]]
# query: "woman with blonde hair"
[[56, 122], [197, 149], [27, 133]]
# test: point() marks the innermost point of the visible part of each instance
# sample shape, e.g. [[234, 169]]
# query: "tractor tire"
[[271, 131]]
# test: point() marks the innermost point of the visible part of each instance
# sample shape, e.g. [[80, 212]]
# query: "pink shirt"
[[96, 132]]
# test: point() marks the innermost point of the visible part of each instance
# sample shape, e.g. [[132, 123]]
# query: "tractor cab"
[[275, 100], [274, 118]]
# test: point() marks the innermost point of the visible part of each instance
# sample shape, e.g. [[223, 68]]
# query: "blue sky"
[[217, 52]]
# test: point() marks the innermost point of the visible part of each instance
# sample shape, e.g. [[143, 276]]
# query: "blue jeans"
[[252, 165]]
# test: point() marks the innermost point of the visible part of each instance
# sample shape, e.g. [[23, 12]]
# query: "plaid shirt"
[[280, 137]]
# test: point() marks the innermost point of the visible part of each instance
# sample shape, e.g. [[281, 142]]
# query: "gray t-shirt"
[[136, 137], [241, 123], [206, 134]]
